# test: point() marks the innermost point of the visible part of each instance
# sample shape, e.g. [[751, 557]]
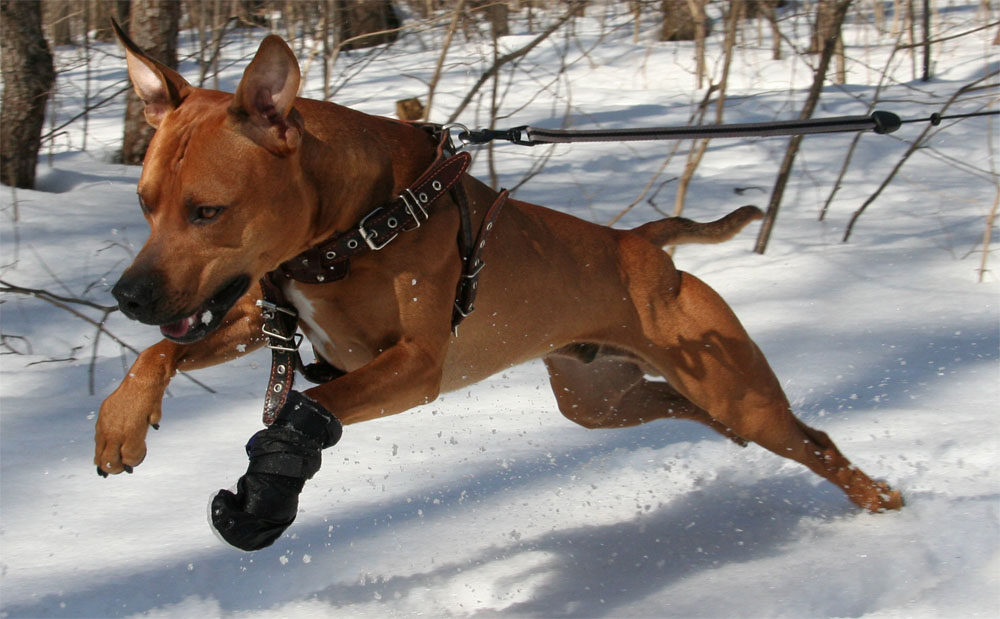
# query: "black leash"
[[935, 118], [880, 122]]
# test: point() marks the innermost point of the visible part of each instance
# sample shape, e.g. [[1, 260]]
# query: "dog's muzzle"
[[142, 298]]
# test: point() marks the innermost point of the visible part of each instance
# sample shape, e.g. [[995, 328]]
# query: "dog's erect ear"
[[264, 98], [160, 88]]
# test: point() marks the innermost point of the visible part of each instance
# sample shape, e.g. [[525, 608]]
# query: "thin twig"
[[49, 296], [66, 303], [912, 149], [514, 55], [444, 53]]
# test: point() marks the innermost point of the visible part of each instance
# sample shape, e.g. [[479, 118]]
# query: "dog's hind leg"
[[693, 339], [600, 390]]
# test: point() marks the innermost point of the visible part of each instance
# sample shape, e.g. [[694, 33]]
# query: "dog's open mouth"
[[208, 317]]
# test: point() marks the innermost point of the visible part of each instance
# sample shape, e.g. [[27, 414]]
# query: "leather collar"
[[330, 260]]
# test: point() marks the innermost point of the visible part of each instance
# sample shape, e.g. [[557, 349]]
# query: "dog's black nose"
[[138, 297]]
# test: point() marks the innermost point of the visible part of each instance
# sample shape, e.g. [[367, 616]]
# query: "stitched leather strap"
[[330, 260], [468, 285], [280, 326]]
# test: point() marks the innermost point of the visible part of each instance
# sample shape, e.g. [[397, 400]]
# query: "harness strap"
[[468, 284], [280, 327], [329, 261]]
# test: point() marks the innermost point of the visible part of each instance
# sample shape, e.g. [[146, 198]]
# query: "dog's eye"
[[205, 214], [142, 205]]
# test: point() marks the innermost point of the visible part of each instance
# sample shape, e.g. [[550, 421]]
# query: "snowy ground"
[[487, 502]]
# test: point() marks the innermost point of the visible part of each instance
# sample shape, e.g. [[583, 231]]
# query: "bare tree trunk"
[[911, 36], [376, 17], [636, 8], [57, 19], [444, 52], [494, 108], [153, 27], [827, 27], [328, 29], [733, 18], [878, 11], [28, 76], [685, 20], [926, 77], [678, 21], [770, 9], [497, 12], [701, 28], [837, 13], [991, 218]]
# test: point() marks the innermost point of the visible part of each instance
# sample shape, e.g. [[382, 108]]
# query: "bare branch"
[[66, 303], [502, 60], [45, 295], [912, 149]]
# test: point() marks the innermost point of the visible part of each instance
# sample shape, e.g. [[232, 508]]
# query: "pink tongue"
[[179, 328]]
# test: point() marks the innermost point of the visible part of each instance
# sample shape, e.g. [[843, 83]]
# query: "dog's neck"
[[356, 162]]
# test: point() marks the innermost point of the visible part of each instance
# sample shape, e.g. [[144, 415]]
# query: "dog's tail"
[[680, 230]]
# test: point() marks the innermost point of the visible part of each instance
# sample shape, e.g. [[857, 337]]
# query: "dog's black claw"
[[156, 426], [102, 472], [128, 469]]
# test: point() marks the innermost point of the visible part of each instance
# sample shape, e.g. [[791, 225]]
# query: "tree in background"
[[28, 76], [834, 12], [376, 21], [153, 25]]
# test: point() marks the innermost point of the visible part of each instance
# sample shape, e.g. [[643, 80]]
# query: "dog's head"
[[221, 188]]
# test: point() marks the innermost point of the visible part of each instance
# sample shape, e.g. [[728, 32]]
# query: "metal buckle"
[[271, 308], [412, 204], [368, 237], [461, 311], [295, 339], [475, 273]]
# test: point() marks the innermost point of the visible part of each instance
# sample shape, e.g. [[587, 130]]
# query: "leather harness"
[[330, 260]]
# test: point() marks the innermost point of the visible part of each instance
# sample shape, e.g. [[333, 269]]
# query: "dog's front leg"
[[403, 376], [287, 453], [135, 405]]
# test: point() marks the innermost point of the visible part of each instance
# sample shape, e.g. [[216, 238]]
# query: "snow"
[[487, 502]]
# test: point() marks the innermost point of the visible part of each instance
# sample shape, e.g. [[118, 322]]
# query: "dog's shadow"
[[583, 571], [592, 570]]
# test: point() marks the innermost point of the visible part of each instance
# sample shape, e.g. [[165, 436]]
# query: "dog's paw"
[[120, 436], [888, 498], [879, 498]]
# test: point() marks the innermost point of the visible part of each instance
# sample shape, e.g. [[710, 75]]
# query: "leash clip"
[[512, 135], [463, 133]]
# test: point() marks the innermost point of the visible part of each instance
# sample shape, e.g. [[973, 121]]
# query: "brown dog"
[[236, 186]]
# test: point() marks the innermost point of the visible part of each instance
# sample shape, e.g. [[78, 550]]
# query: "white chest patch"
[[307, 315]]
